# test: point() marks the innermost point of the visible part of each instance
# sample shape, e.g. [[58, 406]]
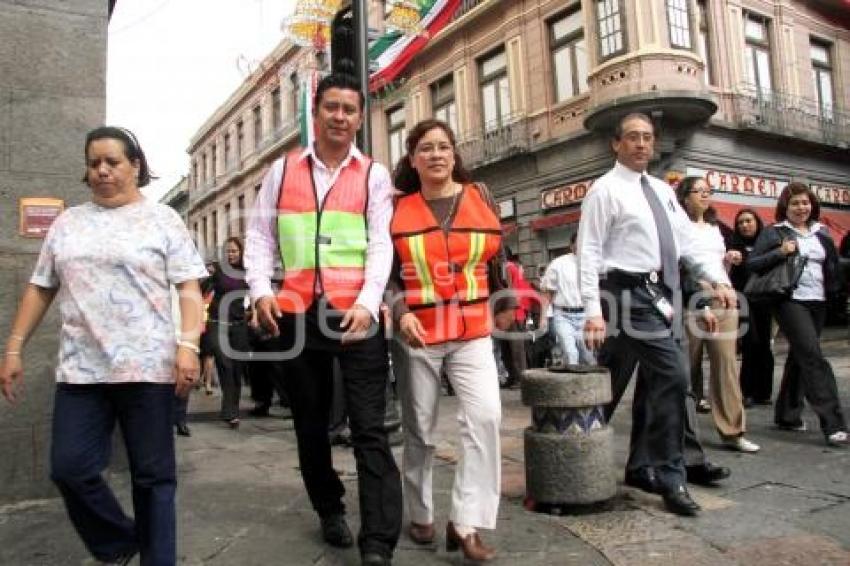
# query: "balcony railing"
[[792, 116], [495, 142], [467, 6]]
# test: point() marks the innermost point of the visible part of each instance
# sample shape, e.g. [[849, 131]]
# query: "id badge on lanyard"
[[660, 303]]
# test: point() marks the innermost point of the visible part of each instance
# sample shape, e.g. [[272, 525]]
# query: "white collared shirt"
[[617, 231], [561, 278], [262, 253]]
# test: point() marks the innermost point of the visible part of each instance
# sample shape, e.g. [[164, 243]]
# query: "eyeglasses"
[[704, 192]]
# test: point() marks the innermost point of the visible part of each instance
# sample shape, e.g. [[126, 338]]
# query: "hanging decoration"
[[405, 16], [310, 23]]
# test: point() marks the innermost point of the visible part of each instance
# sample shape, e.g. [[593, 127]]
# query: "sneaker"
[[839, 438], [801, 427], [703, 406], [741, 444], [120, 560]]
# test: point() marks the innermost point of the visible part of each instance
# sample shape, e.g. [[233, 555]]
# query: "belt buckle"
[[653, 277]]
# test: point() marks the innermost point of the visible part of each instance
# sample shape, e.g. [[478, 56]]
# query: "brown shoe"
[[472, 545], [421, 534]]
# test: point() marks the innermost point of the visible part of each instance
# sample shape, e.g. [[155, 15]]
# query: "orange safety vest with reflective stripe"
[[326, 240], [444, 273]]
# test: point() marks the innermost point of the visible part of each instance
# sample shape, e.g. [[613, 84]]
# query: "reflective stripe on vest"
[[416, 244], [327, 241], [445, 273], [476, 250]]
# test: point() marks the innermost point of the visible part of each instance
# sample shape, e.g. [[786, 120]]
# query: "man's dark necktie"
[[669, 261]]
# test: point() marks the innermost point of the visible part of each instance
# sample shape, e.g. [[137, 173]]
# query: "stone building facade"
[[52, 91], [750, 94], [231, 152]]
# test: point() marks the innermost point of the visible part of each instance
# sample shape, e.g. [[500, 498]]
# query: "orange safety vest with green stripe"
[[324, 242], [444, 272]]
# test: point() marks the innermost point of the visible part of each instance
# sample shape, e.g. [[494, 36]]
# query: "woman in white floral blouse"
[[110, 262]]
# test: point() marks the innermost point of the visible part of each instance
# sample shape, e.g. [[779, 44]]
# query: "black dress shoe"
[[375, 559], [678, 501], [644, 481], [335, 531], [183, 429], [260, 410], [707, 474]]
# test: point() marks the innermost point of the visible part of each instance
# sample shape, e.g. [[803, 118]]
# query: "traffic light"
[[343, 43]]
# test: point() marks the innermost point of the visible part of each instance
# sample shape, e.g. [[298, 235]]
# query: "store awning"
[[508, 228], [838, 221], [553, 220]]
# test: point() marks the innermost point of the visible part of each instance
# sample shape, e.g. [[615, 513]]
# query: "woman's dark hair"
[[132, 149], [342, 81], [236, 242], [405, 177], [792, 190], [686, 187], [759, 223]]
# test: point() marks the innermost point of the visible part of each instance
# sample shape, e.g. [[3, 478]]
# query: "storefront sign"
[[37, 214], [740, 183], [564, 195], [507, 209], [832, 194]]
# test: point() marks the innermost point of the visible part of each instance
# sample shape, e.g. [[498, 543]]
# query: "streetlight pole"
[[361, 54]]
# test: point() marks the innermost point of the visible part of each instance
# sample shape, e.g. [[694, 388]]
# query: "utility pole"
[[361, 61]]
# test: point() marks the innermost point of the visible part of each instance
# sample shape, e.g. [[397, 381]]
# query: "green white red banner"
[[393, 51]]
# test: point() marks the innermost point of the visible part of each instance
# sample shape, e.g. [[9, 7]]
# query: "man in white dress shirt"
[[632, 235], [325, 211], [561, 289]]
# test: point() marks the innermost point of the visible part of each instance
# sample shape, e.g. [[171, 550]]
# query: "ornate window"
[[569, 54]]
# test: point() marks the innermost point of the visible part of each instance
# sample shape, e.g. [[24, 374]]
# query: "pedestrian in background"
[[727, 409], [228, 324], [756, 375], [208, 377], [513, 346], [801, 316], [447, 240], [118, 361], [561, 288]]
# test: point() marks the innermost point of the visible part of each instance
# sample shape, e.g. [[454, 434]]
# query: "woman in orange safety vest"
[[446, 283]]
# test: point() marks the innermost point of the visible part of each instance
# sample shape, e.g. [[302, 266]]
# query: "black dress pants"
[[230, 344], [756, 355], [625, 368], [264, 376], [658, 411], [308, 379], [807, 372]]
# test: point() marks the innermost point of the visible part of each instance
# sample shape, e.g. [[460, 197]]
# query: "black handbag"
[[778, 282]]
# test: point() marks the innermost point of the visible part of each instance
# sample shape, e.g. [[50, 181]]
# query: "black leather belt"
[[570, 309], [631, 279]]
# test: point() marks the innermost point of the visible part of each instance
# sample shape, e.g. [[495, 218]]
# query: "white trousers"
[[471, 369]]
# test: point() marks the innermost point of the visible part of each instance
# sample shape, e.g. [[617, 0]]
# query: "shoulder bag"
[[778, 282]]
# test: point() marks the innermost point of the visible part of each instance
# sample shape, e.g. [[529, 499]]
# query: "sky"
[[172, 63]]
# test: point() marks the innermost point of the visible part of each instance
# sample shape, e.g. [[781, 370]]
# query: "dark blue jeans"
[[84, 418]]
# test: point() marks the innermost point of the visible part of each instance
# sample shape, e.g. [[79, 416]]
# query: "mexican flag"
[[393, 51], [306, 90]]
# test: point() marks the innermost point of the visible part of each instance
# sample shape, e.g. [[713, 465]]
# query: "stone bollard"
[[569, 447]]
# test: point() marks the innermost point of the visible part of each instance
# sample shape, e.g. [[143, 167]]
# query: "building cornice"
[[270, 65]]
